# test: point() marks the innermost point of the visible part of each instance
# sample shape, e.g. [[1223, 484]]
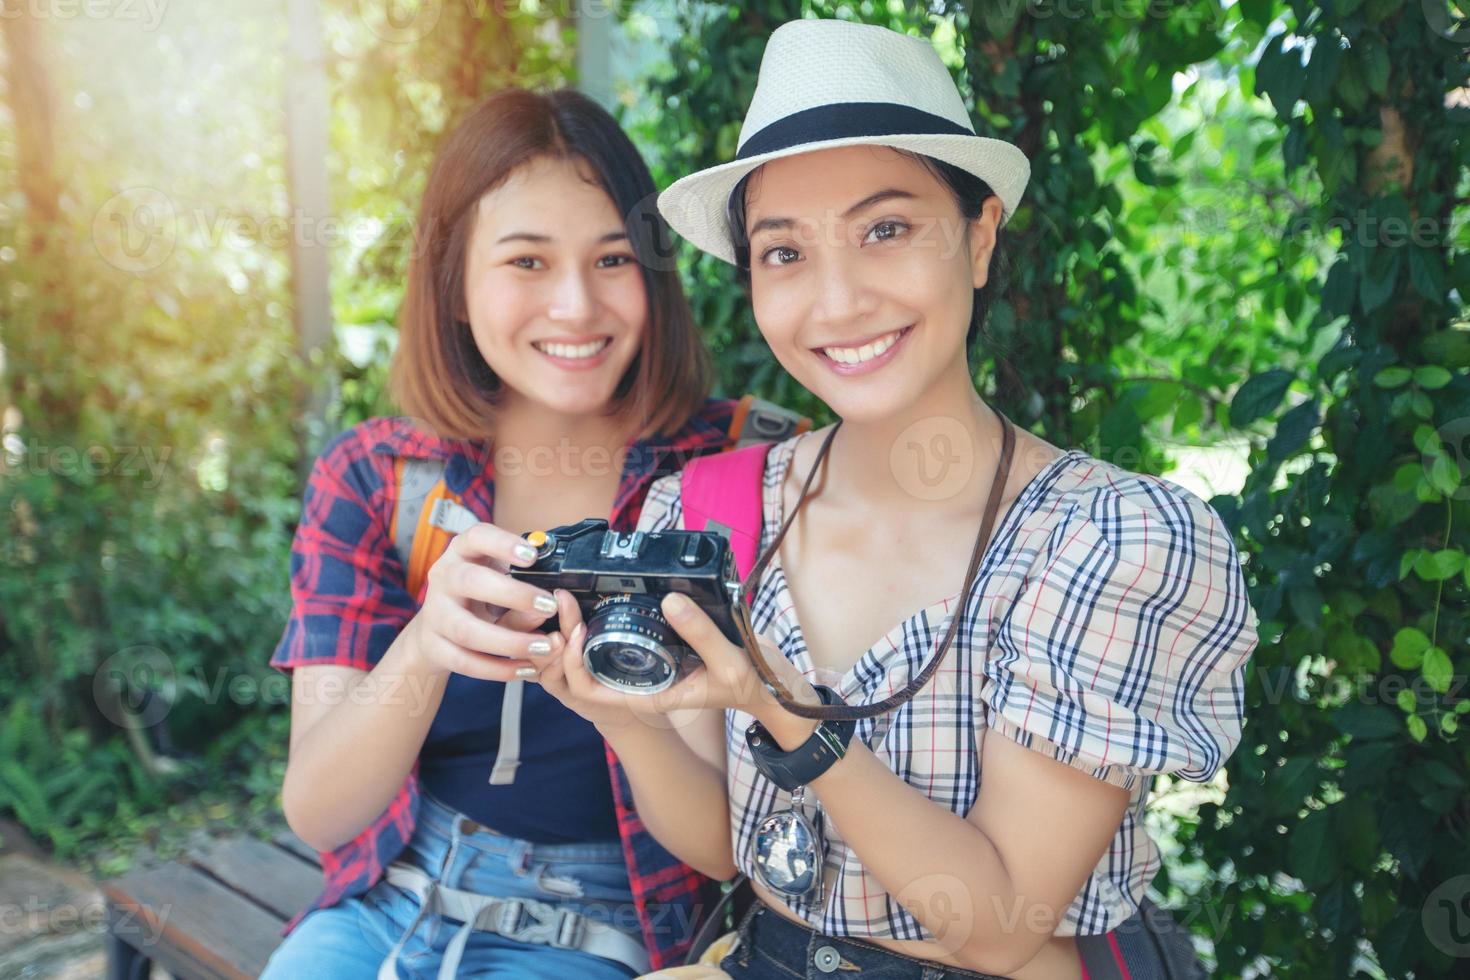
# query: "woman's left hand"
[[728, 679]]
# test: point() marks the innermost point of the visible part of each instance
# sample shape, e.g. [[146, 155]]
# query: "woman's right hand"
[[477, 620]]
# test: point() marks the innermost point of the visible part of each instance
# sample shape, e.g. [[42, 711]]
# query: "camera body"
[[620, 579]]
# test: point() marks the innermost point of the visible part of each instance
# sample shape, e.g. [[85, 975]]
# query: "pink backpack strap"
[[723, 493]]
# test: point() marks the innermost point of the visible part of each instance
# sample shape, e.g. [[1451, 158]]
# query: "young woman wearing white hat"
[[1101, 631]]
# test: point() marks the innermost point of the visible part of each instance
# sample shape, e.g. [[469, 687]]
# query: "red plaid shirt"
[[350, 600]]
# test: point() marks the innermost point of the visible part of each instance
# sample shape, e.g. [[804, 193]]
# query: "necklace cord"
[[845, 712]]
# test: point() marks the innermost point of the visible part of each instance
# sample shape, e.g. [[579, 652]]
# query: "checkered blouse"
[[1115, 617]]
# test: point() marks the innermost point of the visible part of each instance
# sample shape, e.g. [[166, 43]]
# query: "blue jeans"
[[1150, 945], [353, 938], [773, 948]]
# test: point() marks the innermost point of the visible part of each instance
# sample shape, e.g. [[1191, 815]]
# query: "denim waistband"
[[804, 951], [440, 817]]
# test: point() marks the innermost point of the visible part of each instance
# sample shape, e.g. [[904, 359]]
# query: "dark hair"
[[970, 193], [438, 374]]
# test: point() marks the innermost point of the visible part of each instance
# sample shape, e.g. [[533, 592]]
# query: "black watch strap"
[[807, 761]]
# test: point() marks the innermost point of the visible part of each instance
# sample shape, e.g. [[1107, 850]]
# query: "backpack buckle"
[[511, 920], [769, 426], [569, 931]]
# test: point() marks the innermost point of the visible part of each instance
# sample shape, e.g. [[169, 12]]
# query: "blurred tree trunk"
[[33, 106], [594, 54], [33, 103], [307, 137]]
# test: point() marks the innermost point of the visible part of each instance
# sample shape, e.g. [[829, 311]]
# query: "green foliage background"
[[1245, 226]]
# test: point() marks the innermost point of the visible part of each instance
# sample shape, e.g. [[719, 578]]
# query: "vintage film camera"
[[619, 581]]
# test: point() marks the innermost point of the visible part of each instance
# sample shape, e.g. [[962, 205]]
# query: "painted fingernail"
[[525, 671], [545, 603], [525, 552], [539, 647]]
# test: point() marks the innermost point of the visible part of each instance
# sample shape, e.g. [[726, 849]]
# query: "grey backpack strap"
[[452, 517], [419, 477], [508, 758], [767, 422]]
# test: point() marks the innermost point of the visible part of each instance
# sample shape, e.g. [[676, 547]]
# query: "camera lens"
[[631, 647], [632, 660]]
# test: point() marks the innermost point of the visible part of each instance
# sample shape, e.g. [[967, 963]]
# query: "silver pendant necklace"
[[788, 853]]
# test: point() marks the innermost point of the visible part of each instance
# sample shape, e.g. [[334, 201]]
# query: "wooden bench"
[[215, 914]]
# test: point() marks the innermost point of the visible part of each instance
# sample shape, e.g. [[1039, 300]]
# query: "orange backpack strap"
[[757, 420], [426, 516]]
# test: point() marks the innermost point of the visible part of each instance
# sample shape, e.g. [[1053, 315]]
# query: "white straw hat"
[[832, 83]]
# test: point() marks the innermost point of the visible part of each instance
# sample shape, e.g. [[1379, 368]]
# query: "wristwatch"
[[807, 761]]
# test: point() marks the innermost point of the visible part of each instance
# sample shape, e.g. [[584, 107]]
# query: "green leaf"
[[1310, 854], [1450, 348], [1392, 377], [1259, 396], [1432, 376], [1374, 290], [1438, 670], [1367, 721], [1351, 90], [1293, 431], [1436, 566], [1422, 406], [1444, 475], [1279, 76], [1409, 645], [1449, 724], [1426, 272], [1376, 69], [1258, 12], [1462, 707], [1190, 411], [1306, 602], [1407, 702], [1337, 291], [1427, 441], [1417, 728], [1322, 69]]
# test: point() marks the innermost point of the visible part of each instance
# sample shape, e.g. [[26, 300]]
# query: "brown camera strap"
[[843, 712]]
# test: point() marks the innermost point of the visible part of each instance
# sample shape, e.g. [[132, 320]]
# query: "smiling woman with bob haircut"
[[550, 370], [986, 647]]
